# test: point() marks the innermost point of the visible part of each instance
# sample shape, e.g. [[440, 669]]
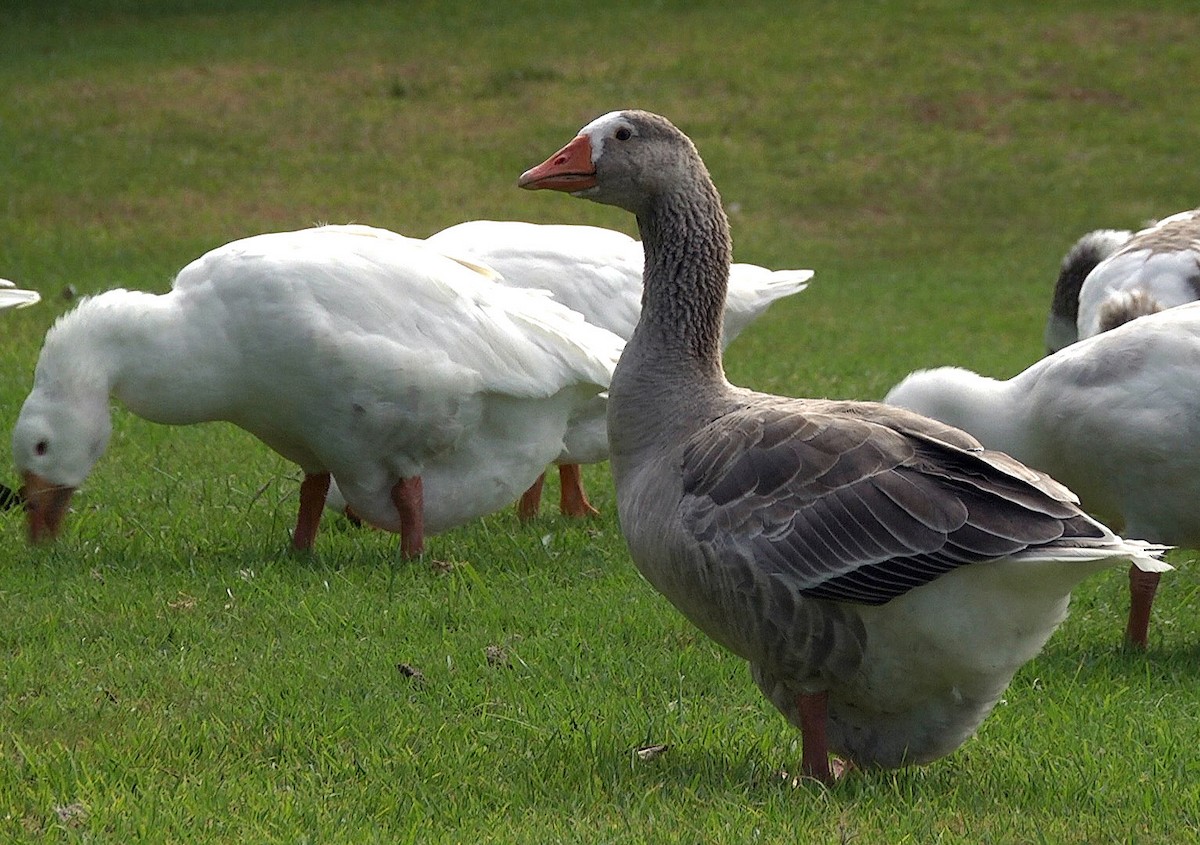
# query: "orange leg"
[[409, 498], [573, 501], [312, 501], [531, 500], [1142, 586], [814, 712]]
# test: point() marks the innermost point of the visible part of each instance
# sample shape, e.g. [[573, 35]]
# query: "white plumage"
[[349, 350], [1134, 274], [598, 271], [1115, 417], [12, 296]]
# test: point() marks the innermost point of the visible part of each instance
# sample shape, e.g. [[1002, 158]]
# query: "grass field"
[[172, 674]]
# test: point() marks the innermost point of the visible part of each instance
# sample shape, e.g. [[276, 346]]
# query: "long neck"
[[686, 275], [137, 347], [670, 376], [982, 406]]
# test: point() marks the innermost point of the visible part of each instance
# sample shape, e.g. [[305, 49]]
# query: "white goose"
[[433, 395], [1115, 417], [882, 574], [1156, 268], [12, 296], [597, 272]]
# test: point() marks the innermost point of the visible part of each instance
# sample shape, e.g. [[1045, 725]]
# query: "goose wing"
[[595, 271], [13, 297], [858, 502]]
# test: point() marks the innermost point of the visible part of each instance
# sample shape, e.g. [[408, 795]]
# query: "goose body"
[[1142, 273], [12, 296], [882, 574], [1115, 417], [432, 395], [597, 272]]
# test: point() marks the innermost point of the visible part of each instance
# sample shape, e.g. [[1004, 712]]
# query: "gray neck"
[[671, 371]]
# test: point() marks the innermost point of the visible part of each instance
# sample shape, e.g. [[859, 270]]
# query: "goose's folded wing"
[[866, 505]]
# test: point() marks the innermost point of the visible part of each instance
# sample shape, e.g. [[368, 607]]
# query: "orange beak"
[[570, 169], [46, 505]]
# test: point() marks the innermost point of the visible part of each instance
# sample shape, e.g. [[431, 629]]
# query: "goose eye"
[[42, 447], [624, 133]]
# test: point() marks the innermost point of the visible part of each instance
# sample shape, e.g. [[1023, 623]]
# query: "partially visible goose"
[[597, 272], [1062, 327], [1156, 268], [883, 575], [12, 296], [1115, 417], [433, 395]]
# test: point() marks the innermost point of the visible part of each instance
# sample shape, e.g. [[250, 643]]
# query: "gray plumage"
[[1080, 260], [1111, 277], [845, 549]]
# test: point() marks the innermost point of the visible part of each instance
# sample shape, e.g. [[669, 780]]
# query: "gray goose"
[[1131, 275], [1062, 326], [883, 575]]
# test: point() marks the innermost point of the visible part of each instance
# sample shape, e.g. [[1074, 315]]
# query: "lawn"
[[173, 674]]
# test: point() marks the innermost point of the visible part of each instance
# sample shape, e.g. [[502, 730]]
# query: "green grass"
[[171, 674]]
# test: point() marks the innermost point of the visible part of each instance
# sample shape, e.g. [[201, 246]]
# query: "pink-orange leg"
[[409, 498], [814, 714], [1142, 587], [573, 501], [531, 500], [312, 501]]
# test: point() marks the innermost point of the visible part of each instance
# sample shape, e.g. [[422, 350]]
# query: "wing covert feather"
[[865, 506]]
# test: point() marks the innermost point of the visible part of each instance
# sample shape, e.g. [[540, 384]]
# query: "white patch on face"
[[596, 131]]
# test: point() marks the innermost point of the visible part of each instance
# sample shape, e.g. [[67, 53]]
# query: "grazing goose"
[[1156, 268], [12, 296], [882, 574], [1115, 417], [597, 272], [431, 394], [1062, 327]]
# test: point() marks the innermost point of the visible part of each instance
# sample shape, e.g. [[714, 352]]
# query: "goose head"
[[55, 445], [624, 158]]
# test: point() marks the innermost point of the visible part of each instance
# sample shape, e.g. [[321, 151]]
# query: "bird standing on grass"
[[883, 575], [1115, 417], [433, 395]]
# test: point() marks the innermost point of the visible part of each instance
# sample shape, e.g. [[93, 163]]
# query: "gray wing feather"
[[862, 502]]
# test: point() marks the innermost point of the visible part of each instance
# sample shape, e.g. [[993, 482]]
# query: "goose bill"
[[46, 505], [570, 169]]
